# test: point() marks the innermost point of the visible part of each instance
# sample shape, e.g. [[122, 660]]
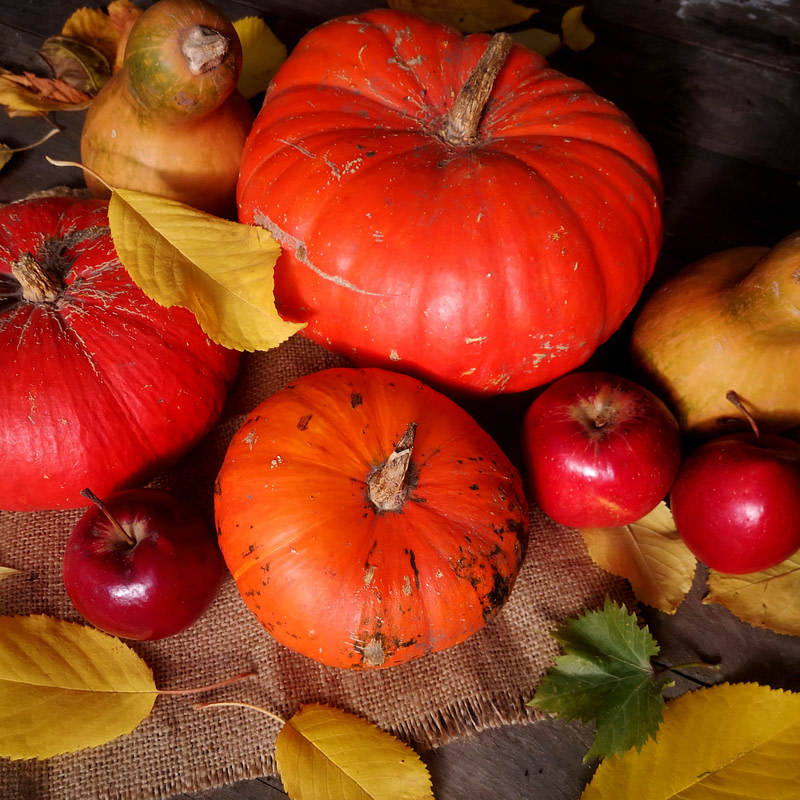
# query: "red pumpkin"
[[368, 520], [101, 386], [486, 252]]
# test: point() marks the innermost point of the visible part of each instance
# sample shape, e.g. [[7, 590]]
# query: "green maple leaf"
[[605, 676]]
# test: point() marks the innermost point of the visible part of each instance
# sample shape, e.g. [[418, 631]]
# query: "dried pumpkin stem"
[[39, 285], [388, 485], [204, 49], [460, 125]]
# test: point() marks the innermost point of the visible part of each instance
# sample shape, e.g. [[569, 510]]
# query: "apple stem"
[[734, 398], [115, 523]]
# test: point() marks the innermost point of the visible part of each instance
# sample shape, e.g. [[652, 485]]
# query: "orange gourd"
[[368, 520], [171, 122]]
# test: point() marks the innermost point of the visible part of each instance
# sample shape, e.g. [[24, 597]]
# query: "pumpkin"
[[101, 386], [367, 519], [448, 205], [727, 322], [171, 122]]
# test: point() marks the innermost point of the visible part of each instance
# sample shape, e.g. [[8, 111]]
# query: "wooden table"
[[715, 87]]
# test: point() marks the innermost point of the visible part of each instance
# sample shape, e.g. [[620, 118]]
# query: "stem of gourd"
[[39, 285], [204, 49], [460, 125], [388, 485]]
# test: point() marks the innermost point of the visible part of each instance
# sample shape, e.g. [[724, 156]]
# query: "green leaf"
[[605, 676]]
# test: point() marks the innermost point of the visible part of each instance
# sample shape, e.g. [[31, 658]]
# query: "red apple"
[[601, 450], [736, 502], [142, 564]]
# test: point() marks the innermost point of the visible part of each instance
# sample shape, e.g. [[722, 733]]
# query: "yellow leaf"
[[574, 31], [93, 27], [767, 599], [6, 572], [737, 741], [543, 42], [325, 752], [5, 154], [468, 16], [222, 271], [649, 554], [65, 686], [262, 54]]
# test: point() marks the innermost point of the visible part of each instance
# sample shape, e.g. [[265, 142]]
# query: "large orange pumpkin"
[[483, 242], [368, 519]]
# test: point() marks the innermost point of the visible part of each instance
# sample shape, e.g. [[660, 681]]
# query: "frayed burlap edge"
[[483, 683]]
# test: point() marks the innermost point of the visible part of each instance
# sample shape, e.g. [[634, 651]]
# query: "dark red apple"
[[142, 565], [736, 502], [601, 450]]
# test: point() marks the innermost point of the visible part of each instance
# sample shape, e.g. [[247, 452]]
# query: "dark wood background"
[[715, 87]]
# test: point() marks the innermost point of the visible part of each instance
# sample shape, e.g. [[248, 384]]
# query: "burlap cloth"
[[482, 683]]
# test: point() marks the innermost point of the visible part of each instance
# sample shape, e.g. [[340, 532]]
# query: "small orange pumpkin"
[[368, 520], [171, 122]]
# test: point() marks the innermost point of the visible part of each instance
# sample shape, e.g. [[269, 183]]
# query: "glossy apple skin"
[[152, 590], [736, 502], [601, 450]]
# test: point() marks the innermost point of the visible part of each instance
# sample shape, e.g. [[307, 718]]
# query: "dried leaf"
[[93, 27], [7, 572], [543, 42], [468, 16], [262, 54], [65, 686], [767, 599], [29, 95], [577, 36], [325, 752], [76, 63], [605, 676], [650, 555], [6, 152], [737, 741], [220, 270]]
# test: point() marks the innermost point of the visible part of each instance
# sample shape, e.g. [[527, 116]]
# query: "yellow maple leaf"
[[220, 270], [262, 54], [7, 572], [737, 741], [649, 554], [468, 16], [325, 752], [66, 686], [765, 599]]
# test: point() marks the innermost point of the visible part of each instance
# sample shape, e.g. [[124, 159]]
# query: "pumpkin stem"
[[39, 285], [204, 49], [388, 485], [460, 125]]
